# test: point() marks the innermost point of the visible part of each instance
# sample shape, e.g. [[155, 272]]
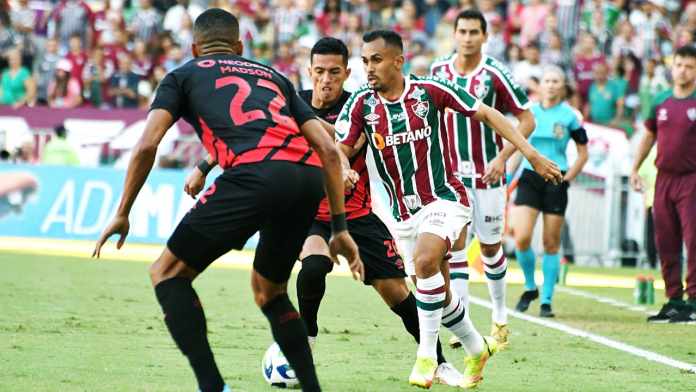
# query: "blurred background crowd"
[[113, 53]]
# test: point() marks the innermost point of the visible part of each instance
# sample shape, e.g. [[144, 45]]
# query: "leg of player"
[[551, 262], [184, 317], [398, 297], [459, 276], [524, 219], [311, 282]]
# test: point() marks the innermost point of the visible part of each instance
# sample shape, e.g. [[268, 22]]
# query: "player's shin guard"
[[408, 312], [495, 268], [430, 298], [184, 317], [290, 333], [456, 319], [459, 275], [311, 285], [527, 259], [551, 265]]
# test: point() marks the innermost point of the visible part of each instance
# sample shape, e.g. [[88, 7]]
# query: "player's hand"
[[350, 178], [194, 182], [636, 182], [119, 225], [342, 243], [494, 171], [546, 168]]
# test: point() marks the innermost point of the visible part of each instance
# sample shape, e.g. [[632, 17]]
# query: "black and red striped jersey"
[[357, 201], [242, 111]]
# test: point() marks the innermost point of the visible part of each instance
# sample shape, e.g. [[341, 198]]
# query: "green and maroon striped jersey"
[[408, 140], [474, 143]]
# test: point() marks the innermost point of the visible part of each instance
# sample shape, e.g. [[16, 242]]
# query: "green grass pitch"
[[69, 324]]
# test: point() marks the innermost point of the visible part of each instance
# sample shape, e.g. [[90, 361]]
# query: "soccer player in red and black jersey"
[[672, 125], [384, 269], [269, 143]]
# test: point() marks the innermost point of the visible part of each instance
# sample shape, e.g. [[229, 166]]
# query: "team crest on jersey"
[[482, 85], [558, 131], [421, 108], [372, 119], [662, 114], [691, 113], [417, 94]]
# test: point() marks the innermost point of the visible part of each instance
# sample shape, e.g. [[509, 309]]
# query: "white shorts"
[[488, 213], [444, 218]]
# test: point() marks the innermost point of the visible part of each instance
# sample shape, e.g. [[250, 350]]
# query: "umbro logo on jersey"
[[691, 113], [372, 118], [421, 108]]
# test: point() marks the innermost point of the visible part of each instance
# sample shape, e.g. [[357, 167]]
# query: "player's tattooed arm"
[[504, 128], [142, 160], [496, 168]]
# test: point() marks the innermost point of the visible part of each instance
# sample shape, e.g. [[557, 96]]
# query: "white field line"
[[604, 300], [639, 352]]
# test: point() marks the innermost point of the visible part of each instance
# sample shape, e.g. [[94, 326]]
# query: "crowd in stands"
[[113, 53]]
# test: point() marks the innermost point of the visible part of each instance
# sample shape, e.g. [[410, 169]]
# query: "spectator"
[[605, 99], [174, 16], [495, 44], [45, 68], [142, 62], [107, 23], [184, 36], [587, 56], [175, 57], [64, 90], [124, 85], [626, 40], [18, 87], [530, 67], [286, 22], [534, 15], [96, 75], [77, 57], [73, 17], [331, 20], [118, 48], [147, 22], [285, 61], [58, 151], [420, 66], [23, 21], [647, 19], [652, 83], [8, 40], [568, 15], [553, 55]]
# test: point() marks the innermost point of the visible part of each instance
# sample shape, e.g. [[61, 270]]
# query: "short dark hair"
[[472, 14], [330, 45], [686, 51], [390, 38], [216, 26]]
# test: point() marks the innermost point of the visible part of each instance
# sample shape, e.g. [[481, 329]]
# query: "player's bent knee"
[[265, 290], [169, 266], [490, 250], [426, 265]]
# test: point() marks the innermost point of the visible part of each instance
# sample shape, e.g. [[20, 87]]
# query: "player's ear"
[[399, 62], [238, 48], [194, 50], [348, 70]]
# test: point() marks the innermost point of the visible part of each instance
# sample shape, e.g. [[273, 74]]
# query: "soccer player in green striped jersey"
[[479, 157], [399, 118]]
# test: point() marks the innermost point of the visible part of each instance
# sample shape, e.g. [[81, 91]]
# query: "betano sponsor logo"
[[381, 142]]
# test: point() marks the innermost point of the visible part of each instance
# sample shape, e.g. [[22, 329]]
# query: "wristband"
[[338, 223], [204, 166]]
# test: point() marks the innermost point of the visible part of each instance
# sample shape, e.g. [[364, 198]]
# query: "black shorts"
[[533, 191], [276, 198], [375, 243]]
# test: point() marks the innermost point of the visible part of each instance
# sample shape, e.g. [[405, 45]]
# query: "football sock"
[[408, 312], [456, 319], [430, 298], [311, 285], [290, 333], [527, 259], [184, 317], [495, 268], [459, 275], [551, 265]]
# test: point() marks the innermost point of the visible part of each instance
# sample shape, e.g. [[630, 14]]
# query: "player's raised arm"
[[158, 122]]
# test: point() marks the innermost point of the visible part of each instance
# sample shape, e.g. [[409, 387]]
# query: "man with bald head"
[[268, 143]]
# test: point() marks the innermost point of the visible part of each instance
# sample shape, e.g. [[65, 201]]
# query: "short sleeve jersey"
[[674, 121], [554, 129], [474, 144], [243, 112], [358, 201], [407, 140]]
